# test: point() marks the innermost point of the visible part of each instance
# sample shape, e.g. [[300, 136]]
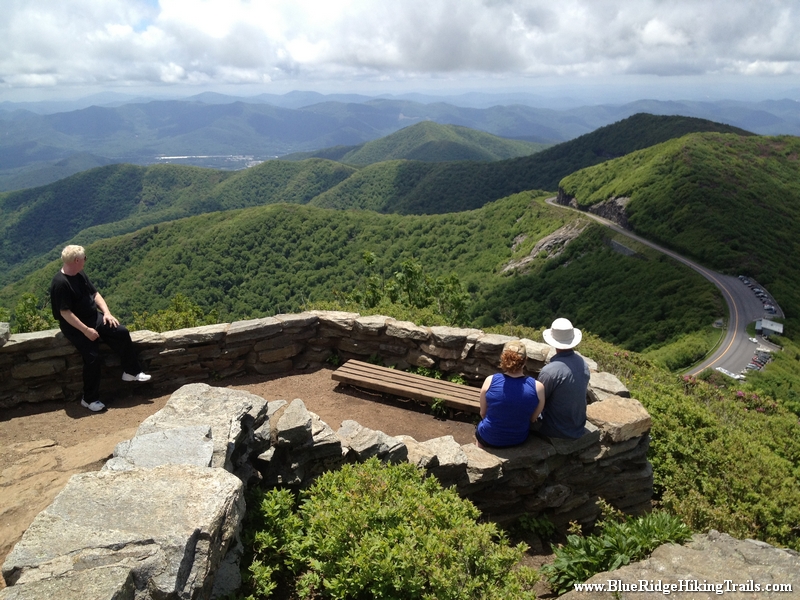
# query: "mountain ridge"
[[149, 195], [143, 130], [427, 142]]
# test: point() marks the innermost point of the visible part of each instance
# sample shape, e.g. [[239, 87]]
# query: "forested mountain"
[[421, 188], [731, 202], [428, 142], [118, 199], [272, 259], [217, 131], [121, 198], [36, 176]]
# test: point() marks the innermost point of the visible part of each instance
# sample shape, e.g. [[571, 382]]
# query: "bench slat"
[[426, 385], [408, 385], [409, 379]]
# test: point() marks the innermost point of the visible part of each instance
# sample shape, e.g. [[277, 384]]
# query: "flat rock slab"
[[481, 466], [365, 443], [108, 583], [608, 384], [170, 539], [232, 415], [619, 418], [710, 559], [591, 435], [181, 446]]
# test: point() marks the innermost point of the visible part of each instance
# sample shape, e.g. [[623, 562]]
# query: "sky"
[[600, 50]]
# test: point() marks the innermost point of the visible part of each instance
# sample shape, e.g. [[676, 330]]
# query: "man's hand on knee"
[[110, 320]]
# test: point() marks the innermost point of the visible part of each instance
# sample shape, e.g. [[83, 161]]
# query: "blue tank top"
[[510, 402]]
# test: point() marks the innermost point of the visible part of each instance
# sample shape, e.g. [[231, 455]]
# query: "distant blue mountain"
[[208, 127]]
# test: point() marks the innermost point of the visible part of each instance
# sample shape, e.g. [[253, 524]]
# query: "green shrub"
[[182, 313], [438, 408], [29, 316], [378, 531], [619, 541]]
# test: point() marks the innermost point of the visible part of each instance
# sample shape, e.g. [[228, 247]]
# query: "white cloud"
[[140, 42]]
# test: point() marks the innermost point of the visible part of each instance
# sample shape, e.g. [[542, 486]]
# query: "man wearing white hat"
[[565, 379]]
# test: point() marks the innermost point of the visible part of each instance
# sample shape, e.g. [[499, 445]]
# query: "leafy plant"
[[617, 542], [438, 408], [539, 525], [378, 531], [334, 359], [375, 359], [426, 372]]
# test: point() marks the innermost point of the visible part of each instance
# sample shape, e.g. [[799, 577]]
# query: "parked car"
[[754, 340]]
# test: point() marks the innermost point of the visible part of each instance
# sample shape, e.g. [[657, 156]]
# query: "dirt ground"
[[42, 445]]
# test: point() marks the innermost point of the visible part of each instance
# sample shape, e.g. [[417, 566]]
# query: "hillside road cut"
[[735, 350]]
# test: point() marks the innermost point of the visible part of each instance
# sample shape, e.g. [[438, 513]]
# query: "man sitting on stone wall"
[[84, 319], [565, 379]]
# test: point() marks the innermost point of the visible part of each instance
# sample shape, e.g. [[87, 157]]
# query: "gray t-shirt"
[[565, 379]]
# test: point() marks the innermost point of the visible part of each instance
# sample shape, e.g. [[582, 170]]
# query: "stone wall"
[[36, 367], [161, 519], [182, 537]]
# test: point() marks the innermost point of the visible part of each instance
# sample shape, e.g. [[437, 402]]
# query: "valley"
[[288, 235]]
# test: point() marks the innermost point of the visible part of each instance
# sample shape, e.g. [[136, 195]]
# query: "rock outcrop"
[[709, 566]]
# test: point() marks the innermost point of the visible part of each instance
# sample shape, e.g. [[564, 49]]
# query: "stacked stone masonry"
[[165, 511], [42, 366]]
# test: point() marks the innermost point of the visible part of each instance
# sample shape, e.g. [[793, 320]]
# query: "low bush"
[[378, 531]]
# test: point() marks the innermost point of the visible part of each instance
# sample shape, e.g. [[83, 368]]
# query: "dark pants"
[[118, 338]]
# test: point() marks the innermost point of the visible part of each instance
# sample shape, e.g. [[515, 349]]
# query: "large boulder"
[[709, 566], [170, 539], [233, 415]]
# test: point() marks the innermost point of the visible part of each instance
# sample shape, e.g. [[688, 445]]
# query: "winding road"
[[735, 351]]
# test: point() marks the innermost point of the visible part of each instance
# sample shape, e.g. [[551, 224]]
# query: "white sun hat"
[[562, 335]]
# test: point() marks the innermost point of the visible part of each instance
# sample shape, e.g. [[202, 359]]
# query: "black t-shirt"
[[75, 293]]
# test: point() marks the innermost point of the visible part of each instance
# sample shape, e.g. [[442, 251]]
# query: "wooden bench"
[[408, 385]]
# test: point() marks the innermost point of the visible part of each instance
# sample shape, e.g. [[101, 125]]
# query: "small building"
[[767, 328]]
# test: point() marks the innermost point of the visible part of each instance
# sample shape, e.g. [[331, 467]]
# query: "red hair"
[[513, 357]]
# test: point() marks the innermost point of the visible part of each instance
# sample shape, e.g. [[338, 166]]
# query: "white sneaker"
[[140, 377], [95, 406]]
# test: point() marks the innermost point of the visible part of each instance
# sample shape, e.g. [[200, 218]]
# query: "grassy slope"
[[731, 202]]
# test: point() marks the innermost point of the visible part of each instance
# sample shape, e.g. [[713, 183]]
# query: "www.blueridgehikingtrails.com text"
[[682, 585]]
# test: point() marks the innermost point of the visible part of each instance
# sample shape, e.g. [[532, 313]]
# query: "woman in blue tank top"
[[510, 401]]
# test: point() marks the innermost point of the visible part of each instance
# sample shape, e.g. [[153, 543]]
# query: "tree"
[[28, 316], [413, 287], [182, 313]]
